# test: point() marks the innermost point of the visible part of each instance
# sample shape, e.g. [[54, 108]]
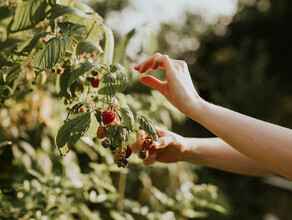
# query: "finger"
[[154, 62], [149, 60], [160, 131], [165, 141], [153, 83], [136, 146], [151, 159]]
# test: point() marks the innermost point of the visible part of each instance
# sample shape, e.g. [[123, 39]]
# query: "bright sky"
[[153, 12]]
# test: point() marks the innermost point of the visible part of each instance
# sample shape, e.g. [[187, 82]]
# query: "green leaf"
[[5, 91], [87, 46], [72, 29], [53, 52], [109, 86], [147, 125], [23, 50], [128, 118], [122, 81], [81, 69], [111, 131], [27, 15], [73, 129], [5, 12], [121, 135], [112, 84], [60, 10]]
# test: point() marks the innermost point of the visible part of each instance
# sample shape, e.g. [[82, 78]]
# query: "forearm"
[[215, 153], [268, 144]]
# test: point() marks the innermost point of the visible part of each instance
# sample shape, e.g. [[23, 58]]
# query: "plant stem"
[[121, 190]]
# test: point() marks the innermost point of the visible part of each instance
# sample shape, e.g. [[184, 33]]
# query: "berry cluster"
[[59, 71], [120, 154], [148, 146], [95, 79]]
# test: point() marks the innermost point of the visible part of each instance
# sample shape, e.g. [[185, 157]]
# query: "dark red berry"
[[113, 148], [124, 162], [106, 143], [108, 117], [95, 82], [144, 154], [128, 151], [94, 73]]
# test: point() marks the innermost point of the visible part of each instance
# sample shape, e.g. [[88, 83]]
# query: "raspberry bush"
[[60, 89]]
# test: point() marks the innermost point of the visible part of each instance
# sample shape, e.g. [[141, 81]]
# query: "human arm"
[[267, 144], [210, 152]]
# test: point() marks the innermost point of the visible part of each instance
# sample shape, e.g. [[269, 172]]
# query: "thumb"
[[153, 82]]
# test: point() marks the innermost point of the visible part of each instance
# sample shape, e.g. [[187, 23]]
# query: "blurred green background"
[[239, 59]]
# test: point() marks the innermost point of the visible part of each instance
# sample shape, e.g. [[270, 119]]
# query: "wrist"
[[196, 109], [188, 150]]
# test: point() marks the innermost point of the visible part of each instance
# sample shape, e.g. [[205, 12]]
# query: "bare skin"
[[244, 145]]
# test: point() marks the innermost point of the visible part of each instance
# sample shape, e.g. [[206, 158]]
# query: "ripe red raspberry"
[[128, 151], [101, 131], [95, 82], [108, 117]]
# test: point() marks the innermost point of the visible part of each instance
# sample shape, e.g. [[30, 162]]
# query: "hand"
[[178, 89], [169, 150]]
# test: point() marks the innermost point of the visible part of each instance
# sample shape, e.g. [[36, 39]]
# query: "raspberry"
[[149, 145], [60, 71], [108, 117], [94, 73], [128, 151], [106, 143], [144, 154], [118, 155], [101, 131], [95, 82], [82, 109], [113, 148], [122, 163]]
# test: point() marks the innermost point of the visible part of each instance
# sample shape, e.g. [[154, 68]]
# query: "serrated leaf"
[[23, 50], [72, 29], [111, 131], [87, 46], [73, 129], [147, 125], [109, 86], [122, 81], [81, 69], [27, 15], [60, 10], [121, 135], [5, 91], [128, 118], [53, 52]]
